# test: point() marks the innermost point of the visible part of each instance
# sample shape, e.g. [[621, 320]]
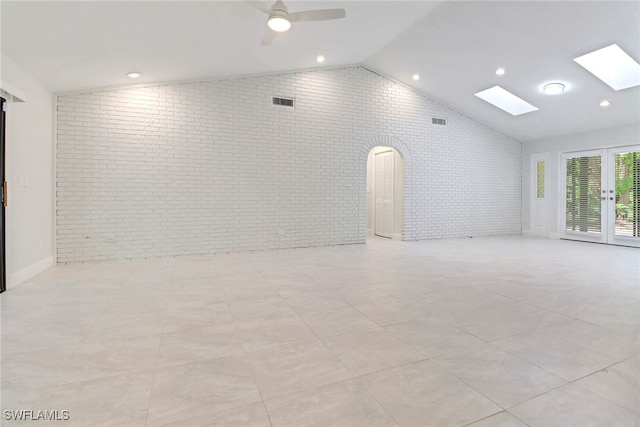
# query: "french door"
[[602, 196]]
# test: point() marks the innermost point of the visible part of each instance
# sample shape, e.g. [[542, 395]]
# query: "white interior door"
[[602, 196], [383, 190], [539, 214]]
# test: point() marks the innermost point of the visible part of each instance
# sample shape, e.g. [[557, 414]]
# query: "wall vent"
[[438, 121], [284, 102]]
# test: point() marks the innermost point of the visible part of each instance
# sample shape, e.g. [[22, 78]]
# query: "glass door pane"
[[623, 196], [583, 194], [627, 184]]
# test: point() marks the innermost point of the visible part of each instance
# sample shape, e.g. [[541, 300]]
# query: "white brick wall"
[[213, 166]]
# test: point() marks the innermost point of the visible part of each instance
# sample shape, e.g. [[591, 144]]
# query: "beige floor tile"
[[263, 334], [617, 345], [337, 320], [33, 369], [498, 375], [371, 351], [112, 401], [338, 404], [619, 383], [431, 336], [211, 342], [452, 303], [196, 317], [558, 356], [572, 406], [423, 394], [77, 335], [200, 389], [252, 415], [385, 309], [295, 367], [616, 320], [99, 360], [505, 320], [503, 419]]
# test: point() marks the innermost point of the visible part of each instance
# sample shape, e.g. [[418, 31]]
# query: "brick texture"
[[214, 166]]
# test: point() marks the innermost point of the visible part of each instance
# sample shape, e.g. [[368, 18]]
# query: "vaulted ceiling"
[[455, 47]]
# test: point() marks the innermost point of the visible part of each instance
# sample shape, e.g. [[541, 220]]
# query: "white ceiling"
[[455, 46]]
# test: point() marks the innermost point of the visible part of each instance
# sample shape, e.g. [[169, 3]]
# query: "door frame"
[[3, 201]]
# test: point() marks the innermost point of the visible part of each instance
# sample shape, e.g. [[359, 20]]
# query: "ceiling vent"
[[284, 102], [438, 121]]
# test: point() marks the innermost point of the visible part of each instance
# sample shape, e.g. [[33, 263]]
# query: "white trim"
[[555, 236], [396, 236], [54, 174], [13, 93], [527, 233], [28, 272]]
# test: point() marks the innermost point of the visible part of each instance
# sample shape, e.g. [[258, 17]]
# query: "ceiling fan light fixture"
[[279, 21]]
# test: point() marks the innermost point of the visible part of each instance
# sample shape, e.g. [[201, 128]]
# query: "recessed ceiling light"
[[613, 66], [506, 101], [279, 22], [416, 77], [605, 103], [320, 58], [553, 88], [133, 75], [500, 71]]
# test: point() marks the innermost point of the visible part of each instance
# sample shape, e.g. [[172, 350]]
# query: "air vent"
[[284, 102], [438, 121]]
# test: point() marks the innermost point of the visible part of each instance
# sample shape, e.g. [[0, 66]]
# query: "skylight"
[[613, 66], [506, 101]]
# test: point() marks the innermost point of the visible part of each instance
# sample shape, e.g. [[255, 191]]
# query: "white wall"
[[29, 154], [213, 166], [398, 187], [613, 137]]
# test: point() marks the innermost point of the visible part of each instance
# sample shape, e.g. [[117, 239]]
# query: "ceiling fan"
[[280, 19]]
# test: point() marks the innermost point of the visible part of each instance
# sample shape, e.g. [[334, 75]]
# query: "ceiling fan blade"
[[259, 5], [317, 15], [268, 38]]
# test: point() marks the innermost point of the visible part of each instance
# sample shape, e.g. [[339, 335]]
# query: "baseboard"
[[554, 236], [369, 231], [28, 272], [527, 233], [396, 236]]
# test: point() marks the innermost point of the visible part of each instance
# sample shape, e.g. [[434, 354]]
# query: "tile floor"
[[506, 331]]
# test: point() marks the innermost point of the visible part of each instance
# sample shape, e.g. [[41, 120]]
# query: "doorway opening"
[[385, 181], [601, 192]]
